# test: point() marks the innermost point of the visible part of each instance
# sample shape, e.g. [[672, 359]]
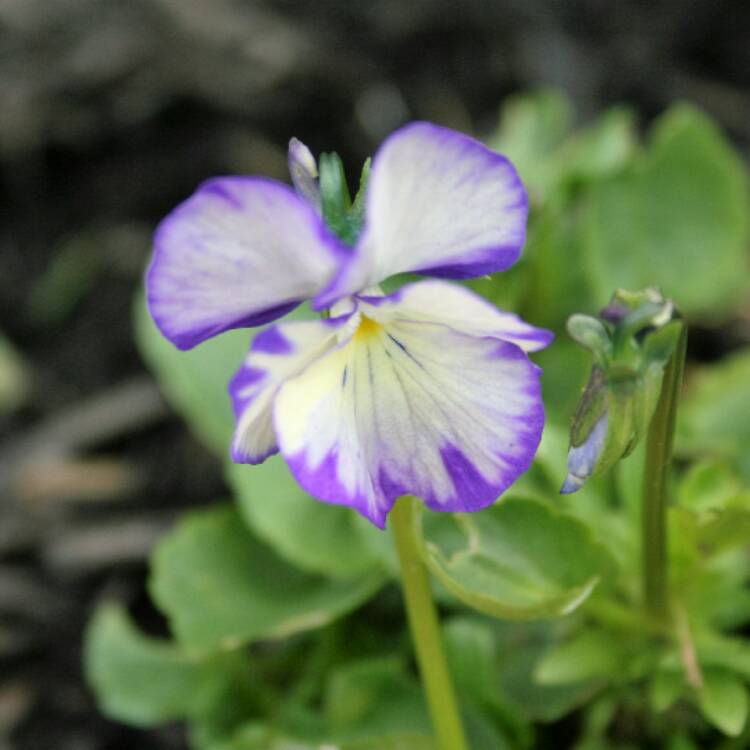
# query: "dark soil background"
[[111, 111]]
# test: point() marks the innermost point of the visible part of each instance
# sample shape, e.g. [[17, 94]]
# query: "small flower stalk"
[[631, 342]]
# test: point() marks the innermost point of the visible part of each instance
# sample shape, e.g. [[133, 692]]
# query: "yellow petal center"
[[368, 328]]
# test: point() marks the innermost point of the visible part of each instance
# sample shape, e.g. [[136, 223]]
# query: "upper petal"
[[439, 203], [458, 307], [411, 408], [276, 354], [240, 251]]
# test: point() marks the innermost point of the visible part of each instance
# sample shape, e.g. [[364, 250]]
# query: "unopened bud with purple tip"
[[304, 172], [631, 342]]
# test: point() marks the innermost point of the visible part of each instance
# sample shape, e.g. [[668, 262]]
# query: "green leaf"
[[665, 688], [605, 146], [194, 382], [681, 742], [532, 128], [678, 218], [145, 681], [221, 587], [401, 741], [520, 648], [730, 653], [589, 655], [14, 377], [723, 701], [518, 559], [554, 286], [597, 719], [713, 413], [373, 698], [319, 537], [709, 484], [535, 133], [472, 656], [725, 529], [68, 279], [250, 736], [472, 653], [373, 705], [259, 737], [710, 571]]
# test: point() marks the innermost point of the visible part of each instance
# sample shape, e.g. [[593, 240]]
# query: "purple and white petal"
[[241, 251], [411, 408], [277, 353], [438, 203], [433, 301]]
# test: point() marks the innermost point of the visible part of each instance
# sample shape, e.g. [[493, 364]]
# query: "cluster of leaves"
[[287, 628]]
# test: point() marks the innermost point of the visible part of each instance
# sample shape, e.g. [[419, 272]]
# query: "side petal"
[[276, 354], [458, 307], [438, 203], [239, 252], [411, 408]]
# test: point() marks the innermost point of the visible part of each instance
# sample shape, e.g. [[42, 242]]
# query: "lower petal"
[[411, 408]]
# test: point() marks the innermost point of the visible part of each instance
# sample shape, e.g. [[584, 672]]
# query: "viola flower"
[[428, 391]]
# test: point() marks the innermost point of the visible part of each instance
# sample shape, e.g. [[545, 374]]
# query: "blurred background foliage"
[[630, 124]]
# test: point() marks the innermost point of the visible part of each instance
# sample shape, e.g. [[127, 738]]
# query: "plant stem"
[[425, 630], [655, 476]]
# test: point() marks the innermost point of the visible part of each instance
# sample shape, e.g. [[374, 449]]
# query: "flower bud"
[[631, 343], [304, 172]]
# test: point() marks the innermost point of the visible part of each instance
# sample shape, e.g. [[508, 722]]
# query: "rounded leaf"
[[518, 559], [222, 587]]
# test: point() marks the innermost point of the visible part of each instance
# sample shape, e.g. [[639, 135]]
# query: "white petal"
[[439, 203], [276, 354], [458, 307], [411, 408], [239, 252]]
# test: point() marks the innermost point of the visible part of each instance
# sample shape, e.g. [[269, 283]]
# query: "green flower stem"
[[425, 630], [655, 476]]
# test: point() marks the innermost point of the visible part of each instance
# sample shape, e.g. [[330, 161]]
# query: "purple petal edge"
[[220, 187], [244, 458], [190, 340], [472, 491], [324, 485], [480, 261]]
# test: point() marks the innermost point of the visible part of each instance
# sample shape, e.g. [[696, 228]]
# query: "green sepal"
[[342, 217], [620, 421], [591, 407], [646, 398], [357, 211], [334, 195], [659, 344], [591, 335]]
